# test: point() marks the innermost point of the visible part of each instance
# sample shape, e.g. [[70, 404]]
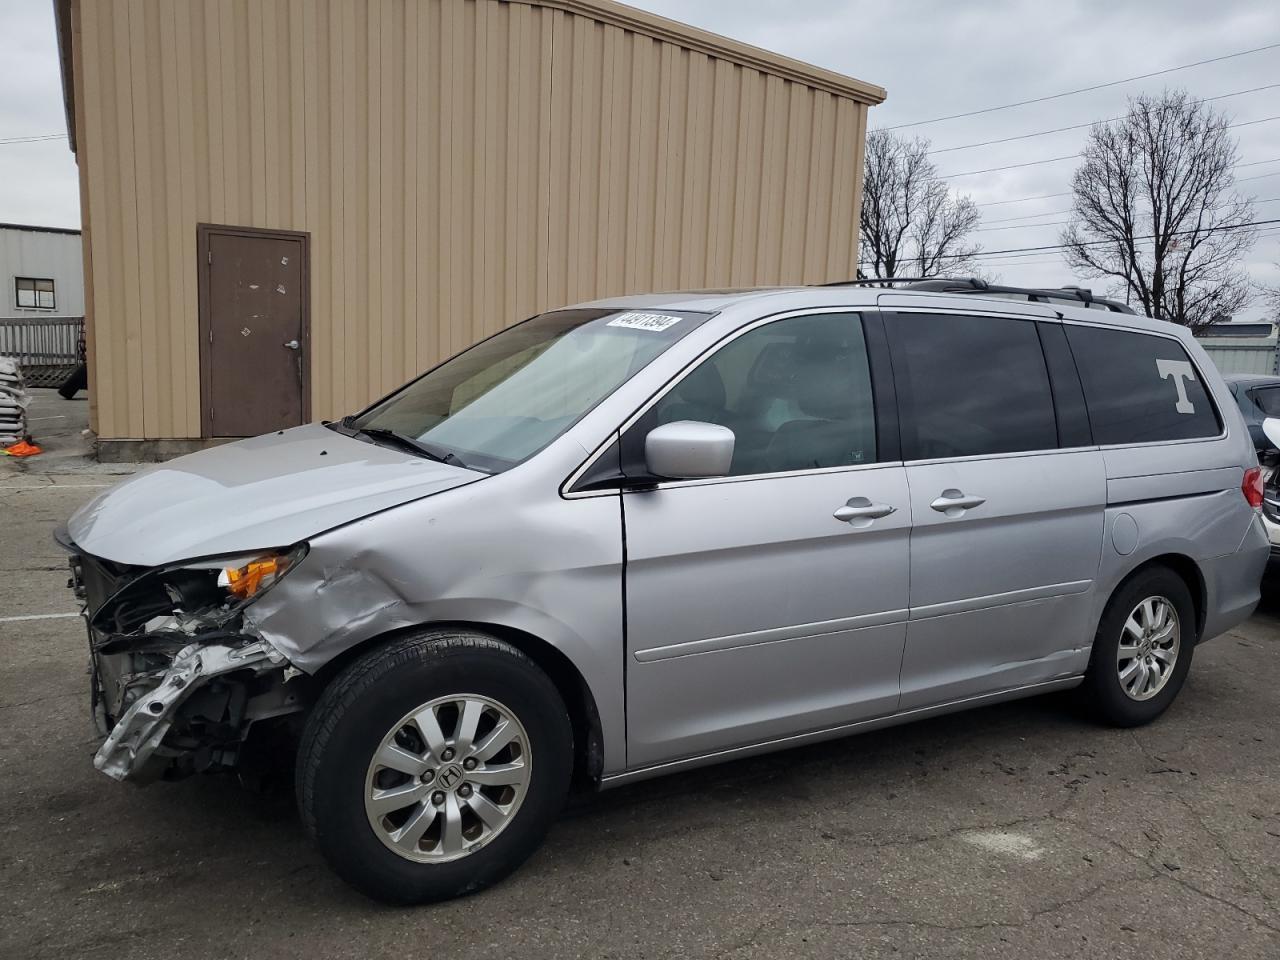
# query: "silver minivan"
[[635, 536]]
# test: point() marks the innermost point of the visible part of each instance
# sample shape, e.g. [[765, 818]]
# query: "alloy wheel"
[[448, 778], [1148, 651]]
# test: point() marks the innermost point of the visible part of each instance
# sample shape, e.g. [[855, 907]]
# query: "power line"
[[1081, 126], [1256, 163], [1250, 123], [47, 136], [1012, 166], [1021, 226], [1094, 243], [1150, 236], [1039, 196], [1030, 259], [1029, 216], [1025, 136], [1054, 223], [1072, 93], [1072, 156]]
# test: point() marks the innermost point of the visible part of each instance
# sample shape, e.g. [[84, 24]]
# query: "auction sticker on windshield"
[[644, 321]]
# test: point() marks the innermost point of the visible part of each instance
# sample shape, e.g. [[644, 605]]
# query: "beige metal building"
[[292, 206]]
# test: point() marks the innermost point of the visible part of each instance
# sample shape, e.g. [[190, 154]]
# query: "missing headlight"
[[190, 598]]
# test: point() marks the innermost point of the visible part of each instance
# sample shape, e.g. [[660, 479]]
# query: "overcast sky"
[[934, 58]]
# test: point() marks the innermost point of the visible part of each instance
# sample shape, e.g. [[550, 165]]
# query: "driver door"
[[754, 613]]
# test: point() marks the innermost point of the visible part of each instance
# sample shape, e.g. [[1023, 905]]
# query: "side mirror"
[[688, 449]]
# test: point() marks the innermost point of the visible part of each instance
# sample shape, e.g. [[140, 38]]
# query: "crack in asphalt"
[[1159, 874], [1031, 918], [1250, 881], [50, 696]]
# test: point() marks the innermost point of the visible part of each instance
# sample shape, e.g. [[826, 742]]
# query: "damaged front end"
[[177, 678]]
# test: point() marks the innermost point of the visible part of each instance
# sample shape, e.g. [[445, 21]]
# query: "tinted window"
[[1268, 400], [1140, 388], [796, 394], [970, 386]]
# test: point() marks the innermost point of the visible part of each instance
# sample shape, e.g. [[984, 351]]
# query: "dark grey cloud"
[[934, 58]]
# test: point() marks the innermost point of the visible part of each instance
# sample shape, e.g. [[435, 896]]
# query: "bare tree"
[[911, 223], [1271, 297], [1154, 208]]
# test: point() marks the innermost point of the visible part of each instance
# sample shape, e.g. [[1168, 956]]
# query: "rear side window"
[[1268, 400], [1140, 388], [970, 386]]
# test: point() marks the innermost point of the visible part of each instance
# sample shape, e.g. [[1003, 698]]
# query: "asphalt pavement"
[[1013, 831]]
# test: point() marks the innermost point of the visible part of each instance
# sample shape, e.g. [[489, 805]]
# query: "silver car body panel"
[[752, 613], [490, 554], [1016, 570], [268, 491], [715, 618]]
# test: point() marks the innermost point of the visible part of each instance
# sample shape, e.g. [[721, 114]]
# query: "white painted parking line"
[[40, 616]]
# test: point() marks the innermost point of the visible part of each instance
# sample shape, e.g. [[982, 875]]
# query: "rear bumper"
[[1233, 583]]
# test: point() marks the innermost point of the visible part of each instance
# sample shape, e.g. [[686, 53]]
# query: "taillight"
[[1251, 486]]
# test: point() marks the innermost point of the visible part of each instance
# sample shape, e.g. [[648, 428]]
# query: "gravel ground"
[[1016, 830]]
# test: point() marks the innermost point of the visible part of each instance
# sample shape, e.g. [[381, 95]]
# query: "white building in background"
[[41, 272], [1242, 347]]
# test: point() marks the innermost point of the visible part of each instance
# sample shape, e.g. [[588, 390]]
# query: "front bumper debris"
[[142, 728], [179, 684]]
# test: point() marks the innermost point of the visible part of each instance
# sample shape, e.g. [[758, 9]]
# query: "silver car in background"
[[635, 536]]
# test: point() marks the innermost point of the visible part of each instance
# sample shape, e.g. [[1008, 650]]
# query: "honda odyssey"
[[640, 535]]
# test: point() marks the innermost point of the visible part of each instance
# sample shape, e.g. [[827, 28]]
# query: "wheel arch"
[[1187, 570], [584, 717]]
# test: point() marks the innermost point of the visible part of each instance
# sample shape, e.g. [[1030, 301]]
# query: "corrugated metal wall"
[[1232, 356], [460, 165], [47, 254]]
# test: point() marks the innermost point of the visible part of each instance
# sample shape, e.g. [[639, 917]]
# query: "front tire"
[[1142, 650], [434, 766]]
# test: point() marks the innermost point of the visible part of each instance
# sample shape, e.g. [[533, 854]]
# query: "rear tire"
[[1142, 650], [447, 835]]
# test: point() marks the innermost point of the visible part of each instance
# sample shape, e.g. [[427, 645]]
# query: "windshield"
[[507, 397]]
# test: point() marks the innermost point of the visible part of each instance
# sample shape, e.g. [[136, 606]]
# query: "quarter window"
[[33, 292], [796, 393], [1140, 388], [1268, 401], [970, 386]]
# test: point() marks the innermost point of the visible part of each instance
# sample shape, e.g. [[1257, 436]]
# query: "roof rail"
[[974, 285]]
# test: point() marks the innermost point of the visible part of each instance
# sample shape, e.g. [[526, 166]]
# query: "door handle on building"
[[954, 503], [292, 344], [860, 508]]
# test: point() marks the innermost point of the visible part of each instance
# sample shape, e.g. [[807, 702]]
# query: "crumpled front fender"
[[487, 554]]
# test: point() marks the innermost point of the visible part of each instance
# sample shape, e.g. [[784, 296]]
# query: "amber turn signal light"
[[246, 581]]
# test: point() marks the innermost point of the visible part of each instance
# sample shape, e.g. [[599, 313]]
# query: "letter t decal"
[[1180, 371]]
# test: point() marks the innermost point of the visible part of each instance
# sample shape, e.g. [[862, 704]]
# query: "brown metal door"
[[253, 331]]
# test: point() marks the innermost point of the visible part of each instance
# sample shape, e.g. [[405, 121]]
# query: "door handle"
[[954, 503], [860, 508], [292, 344]]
